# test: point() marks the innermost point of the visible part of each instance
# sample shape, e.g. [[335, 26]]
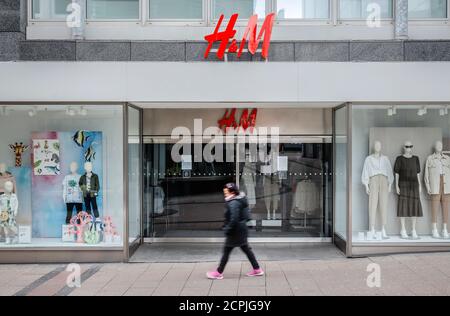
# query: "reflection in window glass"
[[245, 8], [360, 9], [50, 9], [427, 9], [112, 9], [403, 136], [340, 166], [303, 9], [176, 9]]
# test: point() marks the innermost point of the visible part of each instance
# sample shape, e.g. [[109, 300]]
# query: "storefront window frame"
[[363, 249], [100, 254]]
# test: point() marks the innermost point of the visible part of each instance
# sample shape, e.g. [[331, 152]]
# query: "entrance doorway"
[[185, 200]]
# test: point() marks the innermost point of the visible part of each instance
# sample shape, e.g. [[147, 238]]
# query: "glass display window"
[[399, 170], [61, 176]]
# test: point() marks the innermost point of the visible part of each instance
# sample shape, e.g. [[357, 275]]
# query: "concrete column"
[[401, 19]]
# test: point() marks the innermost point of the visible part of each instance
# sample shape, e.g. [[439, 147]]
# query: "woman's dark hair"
[[232, 188]]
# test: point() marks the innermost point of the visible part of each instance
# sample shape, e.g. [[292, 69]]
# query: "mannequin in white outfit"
[[437, 181], [377, 177], [9, 210]]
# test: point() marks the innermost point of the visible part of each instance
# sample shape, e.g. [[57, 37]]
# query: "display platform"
[[57, 243]]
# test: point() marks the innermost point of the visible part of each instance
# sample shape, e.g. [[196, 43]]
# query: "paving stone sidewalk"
[[418, 274]]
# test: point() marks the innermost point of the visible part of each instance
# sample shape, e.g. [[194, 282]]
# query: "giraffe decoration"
[[19, 149]]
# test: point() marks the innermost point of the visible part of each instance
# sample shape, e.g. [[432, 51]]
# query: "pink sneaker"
[[255, 272], [214, 275]]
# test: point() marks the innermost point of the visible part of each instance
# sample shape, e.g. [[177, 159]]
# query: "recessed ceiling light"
[[392, 111], [70, 111]]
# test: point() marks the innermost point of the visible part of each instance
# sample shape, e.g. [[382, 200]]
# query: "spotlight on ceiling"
[[83, 111], [32, 112], [443, 111], [392, 111], [422, 111]]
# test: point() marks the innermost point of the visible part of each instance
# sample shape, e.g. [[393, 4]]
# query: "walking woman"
[[236, 231]]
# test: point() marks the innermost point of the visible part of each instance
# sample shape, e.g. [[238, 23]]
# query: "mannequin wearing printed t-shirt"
[[437, 181], [377, 177], [90, 187], [72, 195], [408, 187]]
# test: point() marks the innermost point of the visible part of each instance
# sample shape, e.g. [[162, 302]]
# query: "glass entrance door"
[[289, 191], [134, 176], [185, 198]]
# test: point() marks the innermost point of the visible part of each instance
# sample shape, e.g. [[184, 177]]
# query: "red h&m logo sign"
[[250, 32], [247, 120]]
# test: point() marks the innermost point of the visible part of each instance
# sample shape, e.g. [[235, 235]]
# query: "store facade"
[[128, 125]]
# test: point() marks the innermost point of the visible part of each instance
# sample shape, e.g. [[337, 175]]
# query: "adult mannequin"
[[408, 187], [437, 182], [377, 177], [72, 194], [6, 176], [271, 187], [248, 181], [90, 186], [9, 206]]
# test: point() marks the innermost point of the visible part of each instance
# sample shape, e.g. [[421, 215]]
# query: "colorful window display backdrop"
[[53, 152]]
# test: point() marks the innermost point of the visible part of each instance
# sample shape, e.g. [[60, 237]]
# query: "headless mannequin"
[[438, 147], [271, 187], [408, 154], [10, 199], [73, 198], [248, 180], [378, 156]]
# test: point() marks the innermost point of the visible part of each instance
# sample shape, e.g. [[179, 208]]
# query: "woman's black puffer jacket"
[[236, 217]]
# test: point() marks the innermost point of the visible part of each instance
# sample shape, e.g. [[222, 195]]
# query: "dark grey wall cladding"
[[103, 51], [176, 51], [13, 15], [10, 20], [48, 50], [322, 51], [376, 51], [9, 45], [279, 51], [158, 51], [195, 51], [427, 51]]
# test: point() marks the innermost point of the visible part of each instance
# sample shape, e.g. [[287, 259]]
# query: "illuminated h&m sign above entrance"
[[250, 35]]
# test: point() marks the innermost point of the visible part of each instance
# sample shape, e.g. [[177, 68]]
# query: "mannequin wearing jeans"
[[377, 177], [437, 181], [408, 187]]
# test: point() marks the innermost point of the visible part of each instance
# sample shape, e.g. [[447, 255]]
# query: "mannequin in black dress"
[[409, 188]]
